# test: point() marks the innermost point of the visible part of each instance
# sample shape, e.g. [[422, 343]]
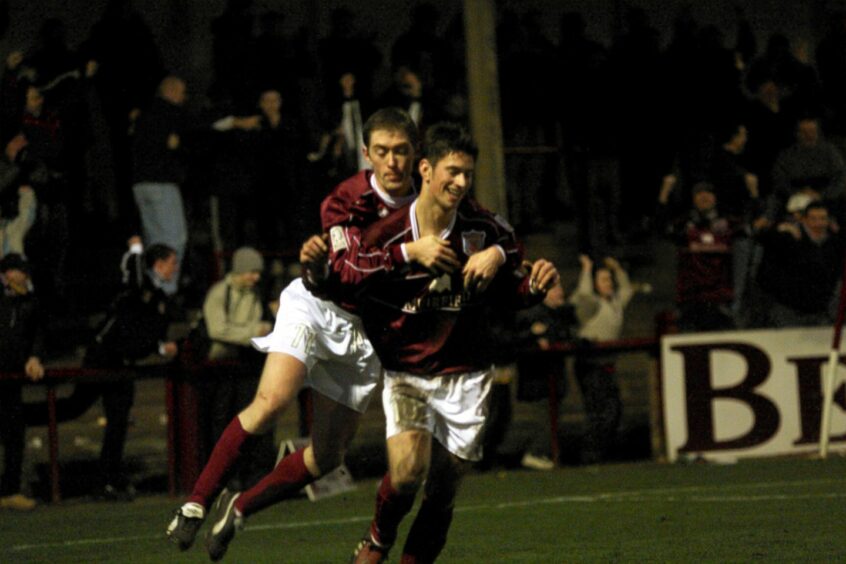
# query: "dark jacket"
[[801, 274], [137, 322], [152, 160], [20, 329]]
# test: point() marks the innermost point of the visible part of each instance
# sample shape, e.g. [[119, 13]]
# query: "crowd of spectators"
[[735, 153]]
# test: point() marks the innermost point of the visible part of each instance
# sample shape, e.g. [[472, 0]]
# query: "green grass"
[[764, 510]]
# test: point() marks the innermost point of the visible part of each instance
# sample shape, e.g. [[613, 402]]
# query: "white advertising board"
[[740, 394]]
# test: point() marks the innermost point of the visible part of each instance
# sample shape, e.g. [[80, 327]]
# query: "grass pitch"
[[763, 510]]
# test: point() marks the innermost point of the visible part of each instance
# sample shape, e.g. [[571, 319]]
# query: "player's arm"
[[523, 287], [481, 268]]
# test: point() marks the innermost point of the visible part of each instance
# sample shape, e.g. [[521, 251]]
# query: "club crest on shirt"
[[472, 241], [383, 212]]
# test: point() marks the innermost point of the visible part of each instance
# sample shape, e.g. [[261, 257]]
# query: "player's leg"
[[409, 445], [334, 426], [428, 533], [282, 377], [458, 405], [409, 455]]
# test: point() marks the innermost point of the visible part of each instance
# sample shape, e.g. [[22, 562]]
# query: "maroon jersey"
[[347, 211], [353, 204], [422, 322], [705, 262]]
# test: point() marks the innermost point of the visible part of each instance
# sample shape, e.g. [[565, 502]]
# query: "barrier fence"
[[181, 402]]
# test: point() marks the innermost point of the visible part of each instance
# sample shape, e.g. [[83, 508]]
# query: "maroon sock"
[[428, 533], [232, 444], [289, 477], [391, 507]]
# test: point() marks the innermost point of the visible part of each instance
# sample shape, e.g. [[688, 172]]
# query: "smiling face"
[[450, 179], [392, 156]]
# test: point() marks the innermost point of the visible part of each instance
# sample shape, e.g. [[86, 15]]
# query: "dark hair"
[[391, 119], [816, 205], [727, 130], [445, 138], [157, 252]]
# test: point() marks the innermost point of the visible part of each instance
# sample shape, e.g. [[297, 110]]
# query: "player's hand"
[[543, 276], [315, 250], [481, 269], [613, 264], [33, 369], [433, 253], [585, 261]]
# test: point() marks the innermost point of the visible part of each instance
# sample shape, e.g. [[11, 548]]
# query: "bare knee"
[[408, 477], [261, 414]]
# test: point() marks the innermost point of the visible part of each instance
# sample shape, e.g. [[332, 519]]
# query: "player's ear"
[[425, 168]]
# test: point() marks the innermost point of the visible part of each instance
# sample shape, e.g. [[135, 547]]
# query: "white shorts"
[[452, 408], [330, 341]]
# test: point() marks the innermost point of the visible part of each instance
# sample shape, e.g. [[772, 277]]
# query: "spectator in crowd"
[[135, 328], [340, 146], [771, 125], [800, 269], [736, 188], [600, 300], [129, 67], [46, 158], [552, 321], [15, 223], [704, 239], [228, 174], [406, 92], [234, 313], [280, 158], [20, 351], [811, 165], [159, 170], [736, 191]]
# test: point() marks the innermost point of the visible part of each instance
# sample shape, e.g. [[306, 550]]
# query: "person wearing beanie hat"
[[20, 351], [247, 259], [234, 313]]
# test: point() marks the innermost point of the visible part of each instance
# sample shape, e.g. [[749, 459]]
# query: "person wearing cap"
[[20, 352], [234, 313]]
